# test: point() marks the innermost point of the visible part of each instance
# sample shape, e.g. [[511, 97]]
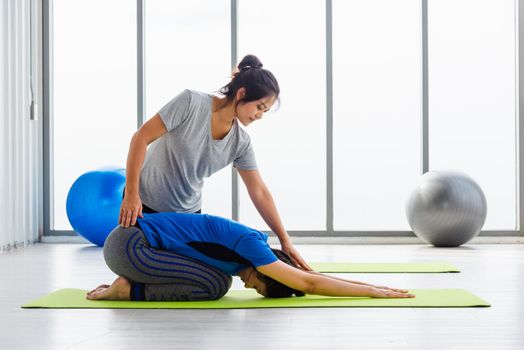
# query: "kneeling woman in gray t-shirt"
[[195, 135]]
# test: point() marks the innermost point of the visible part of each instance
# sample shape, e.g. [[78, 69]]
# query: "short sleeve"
[[255, 249], [246, 159], [176, 111]]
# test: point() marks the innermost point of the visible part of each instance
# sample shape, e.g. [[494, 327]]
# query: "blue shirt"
[[216, 241]]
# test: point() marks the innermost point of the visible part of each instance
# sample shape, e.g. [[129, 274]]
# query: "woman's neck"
[[223, 112]]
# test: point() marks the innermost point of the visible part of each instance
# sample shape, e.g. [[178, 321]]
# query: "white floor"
[[493, 272]]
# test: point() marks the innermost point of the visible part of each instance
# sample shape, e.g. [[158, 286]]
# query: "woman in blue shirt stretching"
[[183, 256]]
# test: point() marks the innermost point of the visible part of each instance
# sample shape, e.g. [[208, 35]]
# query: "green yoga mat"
[[248, 299], [420, 267]]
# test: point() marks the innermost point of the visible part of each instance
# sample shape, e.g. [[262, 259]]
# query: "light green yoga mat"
[[248, 299], [420, 267]]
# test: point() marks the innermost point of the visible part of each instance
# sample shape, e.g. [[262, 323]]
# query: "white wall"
[[20, 138]]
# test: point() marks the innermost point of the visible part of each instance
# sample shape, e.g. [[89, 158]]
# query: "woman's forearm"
[[340, 279], [265, 205], [135, 159], [324, 285]]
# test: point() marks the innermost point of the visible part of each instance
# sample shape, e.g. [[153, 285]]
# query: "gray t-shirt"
[[177, 163]]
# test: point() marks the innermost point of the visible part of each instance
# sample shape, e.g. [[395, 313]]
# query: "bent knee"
[[222, 290], [116, 248]]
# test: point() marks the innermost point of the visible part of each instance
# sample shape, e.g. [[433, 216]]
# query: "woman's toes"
[[97, 288], [99, 293], [119, 290]]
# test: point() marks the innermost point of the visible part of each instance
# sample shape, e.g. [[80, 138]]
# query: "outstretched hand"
[[386, 292], [295, 256], [392, 289]]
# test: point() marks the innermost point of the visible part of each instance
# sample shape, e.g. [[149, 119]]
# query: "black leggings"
[[147, 210], [161, 275]]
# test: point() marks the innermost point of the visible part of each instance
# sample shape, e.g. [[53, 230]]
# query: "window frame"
[[329, 231]]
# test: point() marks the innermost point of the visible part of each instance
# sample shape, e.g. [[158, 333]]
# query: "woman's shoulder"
[[190, 97], [197, 96]]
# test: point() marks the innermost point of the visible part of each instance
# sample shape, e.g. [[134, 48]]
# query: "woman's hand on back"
[[295, 256], [130, 210]]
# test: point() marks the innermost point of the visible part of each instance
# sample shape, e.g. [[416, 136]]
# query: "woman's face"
[[252, 281], [248, 112]]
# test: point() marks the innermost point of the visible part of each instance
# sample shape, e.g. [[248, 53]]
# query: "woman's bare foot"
[[100, 286], [119, 290]]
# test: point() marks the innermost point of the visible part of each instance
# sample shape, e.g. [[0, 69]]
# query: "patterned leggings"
[[161, 275]]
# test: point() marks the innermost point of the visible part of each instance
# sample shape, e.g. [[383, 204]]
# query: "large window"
[[290, 143], [374, 101], [187, 46], [94, 83], [376, 112], [472, 106]]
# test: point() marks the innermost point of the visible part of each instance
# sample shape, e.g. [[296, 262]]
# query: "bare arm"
[[316, 283], [356, 282], [263, 201], [131, 207]]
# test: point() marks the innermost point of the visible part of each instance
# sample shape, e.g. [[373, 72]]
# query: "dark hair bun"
[[257, 82], [249, 62]]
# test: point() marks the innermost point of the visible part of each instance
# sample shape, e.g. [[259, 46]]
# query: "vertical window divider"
[[519, 15], [46, 110], [140, 62], [424, 87], [329, 117], [235, 203]]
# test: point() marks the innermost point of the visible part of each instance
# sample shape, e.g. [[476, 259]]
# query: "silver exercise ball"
[[446, 209]]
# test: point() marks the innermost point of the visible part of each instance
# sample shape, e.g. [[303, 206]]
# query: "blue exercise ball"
[[447, 208], [93, 203]]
